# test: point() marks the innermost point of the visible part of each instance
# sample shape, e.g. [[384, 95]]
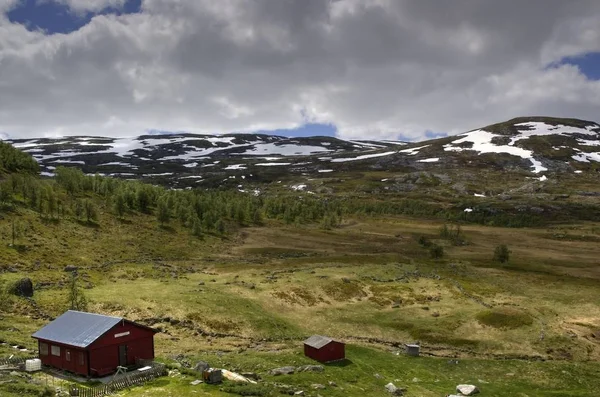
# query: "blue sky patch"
[[589, 64], [53, 18], [309, 129]]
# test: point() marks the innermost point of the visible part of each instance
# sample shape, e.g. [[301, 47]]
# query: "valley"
[[388, 248]]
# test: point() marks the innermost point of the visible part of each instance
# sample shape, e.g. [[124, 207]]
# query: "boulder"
[[467, 390], [282, 371], [201, 366], [24, 287], [71, 268], [393, 390]]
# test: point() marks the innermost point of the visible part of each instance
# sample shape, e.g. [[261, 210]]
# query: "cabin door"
[[123, 355]]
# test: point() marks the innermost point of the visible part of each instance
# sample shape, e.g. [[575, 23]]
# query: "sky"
[[357, 69]]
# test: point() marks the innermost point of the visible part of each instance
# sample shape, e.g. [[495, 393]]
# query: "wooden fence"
[[134, 378]]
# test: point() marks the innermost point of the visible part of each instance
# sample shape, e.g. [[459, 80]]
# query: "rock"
[[378, 376], [332, 383], [311, 368], [393, 390], [201, 366], [467, 390], [317, 386], [250, 375], [196, 382], [282, 371], [24, 287], [299, 393], [71, 268]]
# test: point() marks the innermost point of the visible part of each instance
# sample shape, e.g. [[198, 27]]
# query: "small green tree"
[[163, 212], [119, 205], [501, 253], [436, 251], [76, 298], [91, 213]]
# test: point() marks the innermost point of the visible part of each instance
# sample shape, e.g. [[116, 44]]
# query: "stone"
[[393, 390], [311, 368], [467, 390], [196, 382], [71, 268], [299, 393], [317, 386], [24, 287], [282, 371], [201, 366], [332, 383], [250, 375]]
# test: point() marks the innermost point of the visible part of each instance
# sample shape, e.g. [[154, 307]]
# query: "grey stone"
[[201, 366], [467, 390], [71, 268], [393, 390], [317, 386], [311, 368], [282, 371]]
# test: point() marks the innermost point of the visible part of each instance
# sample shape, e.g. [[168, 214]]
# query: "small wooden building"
[[324, 349], [93, 344]]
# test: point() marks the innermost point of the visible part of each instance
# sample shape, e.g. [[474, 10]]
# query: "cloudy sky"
[[378, 69]]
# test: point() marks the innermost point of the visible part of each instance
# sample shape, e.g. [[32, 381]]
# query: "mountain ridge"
[[534, 144]]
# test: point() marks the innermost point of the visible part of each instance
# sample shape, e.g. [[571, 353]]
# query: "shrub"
[[504, 318], [436, 251], [501, 253]]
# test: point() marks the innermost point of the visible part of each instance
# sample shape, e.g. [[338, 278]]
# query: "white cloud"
[[82, 6], [374, 68]]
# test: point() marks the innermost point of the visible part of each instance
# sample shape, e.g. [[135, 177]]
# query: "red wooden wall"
[[333, 351], [71, 358], [104, 352]]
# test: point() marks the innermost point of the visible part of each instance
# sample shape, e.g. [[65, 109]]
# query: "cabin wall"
[[137, 342], [69, 358]]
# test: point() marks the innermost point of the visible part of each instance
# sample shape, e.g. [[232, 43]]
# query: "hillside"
[[380, 251]]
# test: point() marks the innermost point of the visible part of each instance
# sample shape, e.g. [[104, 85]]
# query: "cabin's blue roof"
[[77, 328]]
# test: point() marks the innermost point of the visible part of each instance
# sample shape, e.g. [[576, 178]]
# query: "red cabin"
[[324, 349], [93, 344]]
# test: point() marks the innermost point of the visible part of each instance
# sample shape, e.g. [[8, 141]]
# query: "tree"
[[119, 205], [91, 214], [257, 217], [163, 212], [501, 253], [16, 231], [197, 227], [436, 251], [76, 298]]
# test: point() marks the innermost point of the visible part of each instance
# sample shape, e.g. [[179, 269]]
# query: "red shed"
[[324, 349], [93, 344]]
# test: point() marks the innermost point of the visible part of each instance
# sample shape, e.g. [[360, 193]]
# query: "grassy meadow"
[[245, 303]]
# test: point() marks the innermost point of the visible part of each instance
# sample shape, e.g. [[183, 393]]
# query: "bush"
[[424, 241], [504, 318], [436, 251], [501, 253]]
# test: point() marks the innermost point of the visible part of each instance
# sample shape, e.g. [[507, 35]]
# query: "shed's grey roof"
[[77, 328], [318, 341]]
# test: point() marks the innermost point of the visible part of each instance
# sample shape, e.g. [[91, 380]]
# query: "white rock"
[[467, 390]]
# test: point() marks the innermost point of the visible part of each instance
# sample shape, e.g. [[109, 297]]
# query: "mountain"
[[527, 144]]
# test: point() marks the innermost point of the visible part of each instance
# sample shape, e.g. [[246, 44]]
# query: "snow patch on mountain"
[[482, 142], [362, 157]]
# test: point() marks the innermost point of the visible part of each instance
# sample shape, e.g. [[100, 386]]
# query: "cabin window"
[[56, 351], [81, 358], [43, 349], [68, 355]]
